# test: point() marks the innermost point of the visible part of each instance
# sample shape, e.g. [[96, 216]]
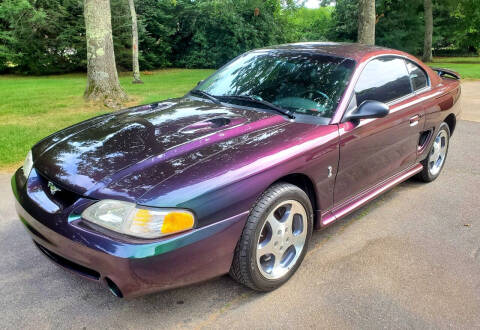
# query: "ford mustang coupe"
[[234, 176]]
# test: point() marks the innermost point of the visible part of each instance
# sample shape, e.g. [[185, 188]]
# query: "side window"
[[417, 75], [383, 79]]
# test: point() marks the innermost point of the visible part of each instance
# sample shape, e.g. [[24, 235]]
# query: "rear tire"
[[275, 238], [434, 162]]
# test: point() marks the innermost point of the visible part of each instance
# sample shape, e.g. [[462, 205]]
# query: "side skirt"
[[366, 196]]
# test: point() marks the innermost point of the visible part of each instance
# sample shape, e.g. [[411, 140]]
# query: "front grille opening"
[[113, 288], [84, 271]]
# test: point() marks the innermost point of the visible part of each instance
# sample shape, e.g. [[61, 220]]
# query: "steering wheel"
[[316, 92]]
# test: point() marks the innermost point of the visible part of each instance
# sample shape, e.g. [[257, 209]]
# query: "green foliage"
[[122, 33], [41, 36], [400, 24], [212, 32], [157, 23], [345, 20], [311, 24], [467, 33], [48, 36]]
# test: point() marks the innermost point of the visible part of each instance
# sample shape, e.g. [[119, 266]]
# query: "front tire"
[[433, 164], [275, 238]]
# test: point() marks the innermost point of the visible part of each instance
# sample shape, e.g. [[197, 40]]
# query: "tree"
[[366, 22], [467, 33], [48, 36], [211, 32], [427, 44], [102, 78], [399, 25], [41, 36], [135, 65]]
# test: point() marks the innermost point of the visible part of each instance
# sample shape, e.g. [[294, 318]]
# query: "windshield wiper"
[[253, 99], [205, 95]]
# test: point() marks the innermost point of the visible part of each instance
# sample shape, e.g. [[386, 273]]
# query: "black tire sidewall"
[[293, 193]]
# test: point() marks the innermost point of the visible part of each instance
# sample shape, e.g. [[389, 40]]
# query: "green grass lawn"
[[467, 67], [34, 107]]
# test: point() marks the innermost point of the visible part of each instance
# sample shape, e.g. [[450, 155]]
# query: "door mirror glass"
[[369, 109]]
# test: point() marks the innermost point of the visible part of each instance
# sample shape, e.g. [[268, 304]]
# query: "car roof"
[[353, 51]]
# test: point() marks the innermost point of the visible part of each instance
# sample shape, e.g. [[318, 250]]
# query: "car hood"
[[90, 157]]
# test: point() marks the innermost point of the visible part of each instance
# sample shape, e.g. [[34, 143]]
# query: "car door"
[[374, 149]]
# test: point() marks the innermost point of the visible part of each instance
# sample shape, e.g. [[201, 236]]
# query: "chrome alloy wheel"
[[282, 239], [438, 153]]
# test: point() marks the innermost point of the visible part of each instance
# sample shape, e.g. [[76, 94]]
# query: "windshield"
[[298, 82]]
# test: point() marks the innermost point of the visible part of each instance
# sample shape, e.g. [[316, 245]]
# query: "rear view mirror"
[[369, 109]]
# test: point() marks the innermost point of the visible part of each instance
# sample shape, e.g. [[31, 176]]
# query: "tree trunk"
[[427, 44], [366, 22], [135, 66], [102, 78]]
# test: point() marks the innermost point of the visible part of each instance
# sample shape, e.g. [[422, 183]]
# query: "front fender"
[[231, 182]]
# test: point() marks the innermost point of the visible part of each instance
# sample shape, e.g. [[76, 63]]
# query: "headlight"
[[28, 164], [131, 219]]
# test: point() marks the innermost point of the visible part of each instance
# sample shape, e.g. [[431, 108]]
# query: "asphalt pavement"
[[409, 259]]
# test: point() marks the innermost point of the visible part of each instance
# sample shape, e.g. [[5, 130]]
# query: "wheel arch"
[[305, 183]]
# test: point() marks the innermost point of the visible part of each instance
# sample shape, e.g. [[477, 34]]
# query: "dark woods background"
[[48, 36]]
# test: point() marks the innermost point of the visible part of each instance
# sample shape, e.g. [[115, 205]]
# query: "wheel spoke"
[[298, 240], [265, 249], [296, 209], [289, 221], [436, 150], [278, 258], [275, 225]]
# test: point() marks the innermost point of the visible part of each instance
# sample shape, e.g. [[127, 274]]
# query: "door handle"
[[414, 120]]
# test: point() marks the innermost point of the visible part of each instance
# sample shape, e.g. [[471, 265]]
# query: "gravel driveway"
[[410, 259]]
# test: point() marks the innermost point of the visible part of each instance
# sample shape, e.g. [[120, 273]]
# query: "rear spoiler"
[[446, 73]]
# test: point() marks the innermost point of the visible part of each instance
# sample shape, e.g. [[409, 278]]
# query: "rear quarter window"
[[417, 76]]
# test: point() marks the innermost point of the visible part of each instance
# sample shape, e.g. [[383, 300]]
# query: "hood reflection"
[[169, 136]]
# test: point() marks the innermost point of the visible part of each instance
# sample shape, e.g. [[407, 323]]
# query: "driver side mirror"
[[369, 109]]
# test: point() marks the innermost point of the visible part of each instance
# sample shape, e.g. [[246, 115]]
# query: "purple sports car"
[[234, 176]]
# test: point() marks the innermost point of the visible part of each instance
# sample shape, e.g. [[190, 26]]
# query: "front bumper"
[[128, 267]]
